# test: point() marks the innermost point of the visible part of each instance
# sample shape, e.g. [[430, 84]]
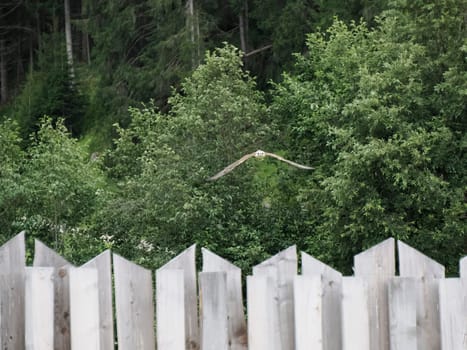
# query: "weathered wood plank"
[[84, 309], [282, 268], [453, 314], [46, 257], [414, 264], [403, 313], [463, 267], [39, 310], [238, 337], [332, 291], [213, 307], [12, 278], [377, 266], [186, 262], [102, 263], [134, 305], [263, 316], [308, 303], [170, 309], [355, 315]]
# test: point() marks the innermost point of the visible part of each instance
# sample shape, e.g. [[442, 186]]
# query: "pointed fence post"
[[238, 337], [281, 269], [12, 308], [376, 266], [331, 300], [46, 257], [134, 305], [355, 315], [213, 311], [403, 313], [414, 264], [186, 262], [39, 311], [84, 309], [102, 263], [308, 302]]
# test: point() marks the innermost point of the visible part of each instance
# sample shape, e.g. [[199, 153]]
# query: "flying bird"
[[257, 154]]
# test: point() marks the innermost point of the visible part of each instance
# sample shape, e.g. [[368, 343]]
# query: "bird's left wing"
[[231, 167], [289, 161]]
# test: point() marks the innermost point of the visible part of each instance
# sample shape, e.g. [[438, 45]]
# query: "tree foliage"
[[388, 163]]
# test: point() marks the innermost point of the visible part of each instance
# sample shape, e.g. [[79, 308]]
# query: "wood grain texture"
[[263, 316], [332, 291], [281, 269], [186, 262], [403, 313], [134, 305], [453, 314], [414, 264], [46, 257], [355, 314], [238, 337], [84, 309], [170, 309], [376, 266], [308, 302], [39, 310], [12, 279], [102, 263], [213, 311]]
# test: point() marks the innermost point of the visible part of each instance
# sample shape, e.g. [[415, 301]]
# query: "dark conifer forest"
[[114, 113]]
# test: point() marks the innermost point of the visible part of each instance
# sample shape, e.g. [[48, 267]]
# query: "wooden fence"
[[55, 305]]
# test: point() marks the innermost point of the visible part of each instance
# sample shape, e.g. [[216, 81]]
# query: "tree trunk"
[[69, 43], [243, 26], [3, 72], [193, 31]]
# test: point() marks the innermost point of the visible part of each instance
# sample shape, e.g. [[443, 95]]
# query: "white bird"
[[257, 154]]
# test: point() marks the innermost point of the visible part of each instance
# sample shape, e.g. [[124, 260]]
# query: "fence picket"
[[170, 309], [186, 262], [463, 267], [377, 266], [213, 307], [308, 302], [46, 257], [332, 293], [453, 314], [102, 263], [12, 278], [134, 305], [84, 309], [263, 316], [355, 314], [403, 313], [412, 263], [39, 310], [238, 337], [282, 268]]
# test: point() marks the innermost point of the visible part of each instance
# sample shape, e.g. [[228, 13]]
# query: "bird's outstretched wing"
[[231, 167], [259, 154], [288, 161]]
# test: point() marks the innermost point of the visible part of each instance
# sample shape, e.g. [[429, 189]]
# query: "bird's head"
[[259, 154]]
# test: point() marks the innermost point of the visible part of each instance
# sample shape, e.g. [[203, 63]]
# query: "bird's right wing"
[[231, 167], [305, 167]]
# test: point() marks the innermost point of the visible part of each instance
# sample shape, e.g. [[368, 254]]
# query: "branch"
[[257, 50]]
